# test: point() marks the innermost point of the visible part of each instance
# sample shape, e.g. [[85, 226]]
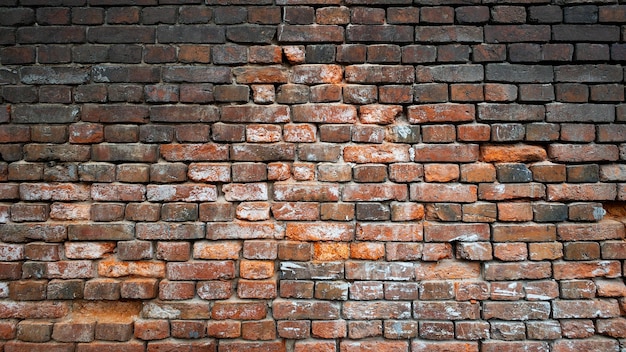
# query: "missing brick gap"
[[108, 312], [614, 211]]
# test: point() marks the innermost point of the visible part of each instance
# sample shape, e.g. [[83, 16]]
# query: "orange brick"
[[441, 172], [367, 250], [256, 269], [511, 154], [515, 212], [510, 251], [446, 112], [329, 251]]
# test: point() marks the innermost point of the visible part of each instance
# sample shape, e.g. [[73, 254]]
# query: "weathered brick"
[[519, 270], [581, 192], [200, 270], [374, 33], [445, 153], [243, 230], [519, 73], [517, 153], [194, 152], [441, 113], [445, 34], [169, 231], [429, 192]]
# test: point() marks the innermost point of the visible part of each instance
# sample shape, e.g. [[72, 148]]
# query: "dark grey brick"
[[519, 73], [513, 173], [320, 54], [191, 34], [54, 75], [549, 212], [45, 113], [507, 132], [558, 112]]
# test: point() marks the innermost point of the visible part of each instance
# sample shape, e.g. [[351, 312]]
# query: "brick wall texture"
[[312, 175]]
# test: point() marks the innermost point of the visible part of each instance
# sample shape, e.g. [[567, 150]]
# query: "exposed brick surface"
[[312, 175]]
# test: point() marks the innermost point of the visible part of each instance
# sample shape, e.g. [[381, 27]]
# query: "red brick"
[[253, 211], [142, 211], [466, 92], [438, 134], [251, 269], [176, 290], [374, 192], [581, 192], [516, 271], [181, 193], [42, 251], [604, 230], [511, 191], [389, 232], [606, 308], [319, 232], [367, 251], [586, 269], [209, 172], [73, 331], [546, 250], [589, 344], [111, 268], [260, 249], [395, 94], [474, 132], [524, 232], [260, 75], [194, 152], [139, 288], [510, 251], [271, 54], [224, 329], [582, 153], [428, 192], [444, 212], [295, 211], [244, 230], [267, 346], [239, 311], [514, 346], [27, 290], [520, 153], [257, 289], [152, 329], [299, 133], [211, 290], [331, 251], [612, 327], [325, 93], [296, 289], [385, 153], [102, 289], [261, 330], [304, 192], [30, 331], [17, 346], [201, 270], [374, 345], [406, 211], [379, 114], [298, 329], [438, 232], [441, 113]]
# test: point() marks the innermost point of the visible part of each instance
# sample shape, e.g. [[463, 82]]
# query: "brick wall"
[[312, 175]]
